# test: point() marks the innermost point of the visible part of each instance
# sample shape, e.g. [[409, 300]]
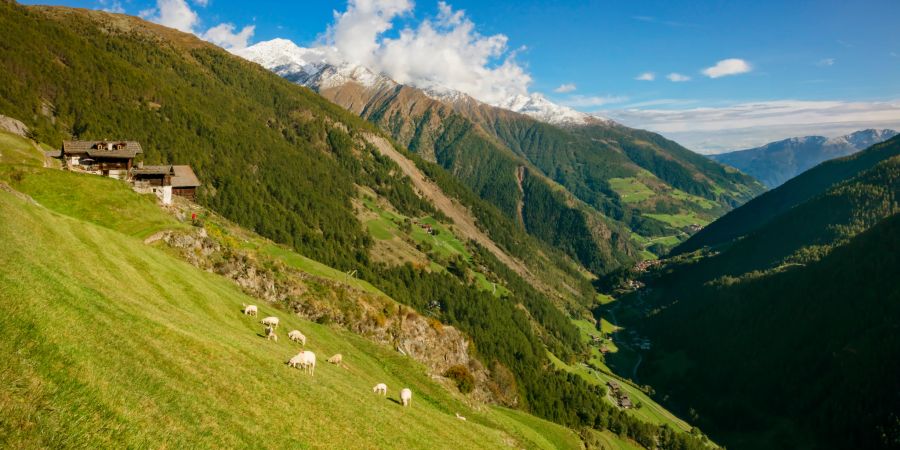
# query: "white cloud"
[[725, 67], [745, 125], [112, 6], [179, 15], [566, 87], [826, 62], [578, 101], [646, 76], [677, 77], [445, 51], [175, 14], [224, 36]]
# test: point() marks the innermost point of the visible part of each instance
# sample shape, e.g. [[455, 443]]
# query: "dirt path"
[[462, 219]]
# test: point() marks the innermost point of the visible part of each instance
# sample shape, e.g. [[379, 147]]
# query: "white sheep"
[[460, 417], [296, 360], [250, 310], [270, 334], [380, 388], [336, 359], [307, 361], [297, 336], [406, 396], [272, 321]]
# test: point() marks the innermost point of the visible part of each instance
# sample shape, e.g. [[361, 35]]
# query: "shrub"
[[459, 373]]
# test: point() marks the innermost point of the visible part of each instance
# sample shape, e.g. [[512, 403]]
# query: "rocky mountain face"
[[567, 177], [777, 162]]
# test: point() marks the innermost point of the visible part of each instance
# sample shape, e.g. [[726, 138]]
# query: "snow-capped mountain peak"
[[321, 68], [313, 67], [540, 108]]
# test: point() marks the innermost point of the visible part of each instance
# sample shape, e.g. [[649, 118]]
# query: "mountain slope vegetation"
[[792, 340], [771, 204], [94, 365], [283, 162], [574, 172]]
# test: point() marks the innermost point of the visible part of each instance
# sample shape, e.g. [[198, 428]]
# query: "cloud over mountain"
[[745, 125], [443, 51]]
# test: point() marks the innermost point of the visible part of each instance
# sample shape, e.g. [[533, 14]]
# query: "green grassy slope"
[[766, 207], [109, 342]]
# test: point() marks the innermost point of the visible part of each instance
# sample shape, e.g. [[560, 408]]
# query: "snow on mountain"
[[540, 108], [320, 68], [310, 67]]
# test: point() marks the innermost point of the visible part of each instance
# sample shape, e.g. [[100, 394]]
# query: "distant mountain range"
[[777, 162], [602, 192]]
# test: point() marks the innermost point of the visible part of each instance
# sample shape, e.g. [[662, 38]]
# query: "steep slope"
[[777, 162], [805, 358], [95, 365], [282, 161], [583, 169], [766, 207], [792, 323]]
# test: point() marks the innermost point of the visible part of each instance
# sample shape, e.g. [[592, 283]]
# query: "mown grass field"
[[108, 342], [630, 189]]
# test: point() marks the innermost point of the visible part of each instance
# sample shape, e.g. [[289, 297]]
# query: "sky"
[[715, 76]]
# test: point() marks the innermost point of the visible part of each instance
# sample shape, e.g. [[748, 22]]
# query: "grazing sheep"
[[380, 388], [406, 396], [460, 417], [273, 321], [297, 336], [250, 310], [307, 361], [336, 359], [296, 360], [270, 334]]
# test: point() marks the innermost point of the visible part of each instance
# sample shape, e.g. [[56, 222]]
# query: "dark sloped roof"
[[153, 170], [184, 177], [90, 148]]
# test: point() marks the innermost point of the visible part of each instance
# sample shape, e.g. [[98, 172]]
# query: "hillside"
[[278, 160], [601, 192], [327, 302], [95, 365], [777, 162], [793, 337], [769, 205]]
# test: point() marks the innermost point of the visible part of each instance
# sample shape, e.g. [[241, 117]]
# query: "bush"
[[459, 373]]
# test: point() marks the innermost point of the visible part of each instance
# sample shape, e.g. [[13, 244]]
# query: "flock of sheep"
[[306, 360]]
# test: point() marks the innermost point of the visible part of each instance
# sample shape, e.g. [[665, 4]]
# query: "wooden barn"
[[166, 181]]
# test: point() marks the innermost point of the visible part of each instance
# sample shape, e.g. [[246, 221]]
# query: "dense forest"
[[793, 327], [280, 160], [572, 171]]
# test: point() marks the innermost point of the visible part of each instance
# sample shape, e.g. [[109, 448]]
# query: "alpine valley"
[[186, 230]]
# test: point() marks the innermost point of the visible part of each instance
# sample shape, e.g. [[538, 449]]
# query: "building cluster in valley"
[[116, 159], [619, 394]]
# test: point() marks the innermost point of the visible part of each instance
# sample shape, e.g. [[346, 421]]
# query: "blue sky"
[[796, 67]]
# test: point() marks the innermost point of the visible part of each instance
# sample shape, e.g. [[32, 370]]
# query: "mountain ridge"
[[779, 161]]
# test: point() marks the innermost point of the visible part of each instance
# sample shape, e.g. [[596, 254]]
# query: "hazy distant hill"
[[777, 162], [759, 211]]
